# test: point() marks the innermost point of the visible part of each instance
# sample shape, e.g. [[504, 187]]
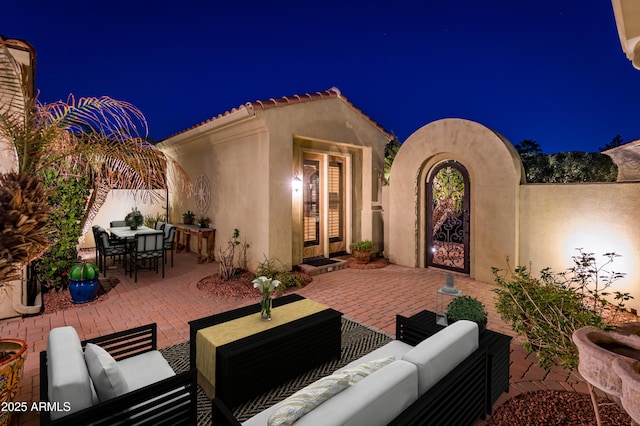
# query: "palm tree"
[[102, 137]]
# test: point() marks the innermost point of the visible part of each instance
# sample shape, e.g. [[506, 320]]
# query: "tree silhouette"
[[528, 146], [616, 141]]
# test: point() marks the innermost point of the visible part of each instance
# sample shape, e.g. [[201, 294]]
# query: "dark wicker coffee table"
[[251, 365]]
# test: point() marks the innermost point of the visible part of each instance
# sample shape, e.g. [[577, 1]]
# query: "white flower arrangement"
[[265, 286]]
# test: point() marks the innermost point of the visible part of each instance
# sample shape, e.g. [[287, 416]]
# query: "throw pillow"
[[361, 371], [308, 398], [105, 373]]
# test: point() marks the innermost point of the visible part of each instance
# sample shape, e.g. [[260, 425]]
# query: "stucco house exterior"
[[25, 54], [627, 158], [298, 176]]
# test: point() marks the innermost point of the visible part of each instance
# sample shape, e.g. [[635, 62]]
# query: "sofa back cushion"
[[375, 400], [436, 356], [69, 380]]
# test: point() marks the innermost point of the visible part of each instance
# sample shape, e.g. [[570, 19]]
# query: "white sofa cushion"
[[361, 371], [436, 356], [105, 373], [394, 348], [375, 400], [144, 369], [68, 377], [308, 398]]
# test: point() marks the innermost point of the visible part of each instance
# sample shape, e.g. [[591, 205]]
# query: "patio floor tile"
[[372, 297]]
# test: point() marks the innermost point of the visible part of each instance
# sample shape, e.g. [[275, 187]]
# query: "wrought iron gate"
[[447, 202]]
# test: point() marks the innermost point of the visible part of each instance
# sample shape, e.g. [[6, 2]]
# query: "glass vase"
[[265, 308]]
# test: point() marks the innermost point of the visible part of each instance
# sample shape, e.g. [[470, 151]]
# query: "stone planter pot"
[[362, 257], [187, 220], [83, 291], [11, 370]]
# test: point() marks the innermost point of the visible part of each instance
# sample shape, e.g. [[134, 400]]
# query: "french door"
[[324, 205]]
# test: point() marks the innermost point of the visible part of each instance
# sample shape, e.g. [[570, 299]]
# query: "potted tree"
[[467, 308], [362, 251], [84, 282], [187, 217]]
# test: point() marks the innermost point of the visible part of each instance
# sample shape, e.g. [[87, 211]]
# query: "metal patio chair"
[[107, 247], [169, 241], [146, 247]]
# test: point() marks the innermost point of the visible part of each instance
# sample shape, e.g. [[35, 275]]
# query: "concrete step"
[[317, 270]]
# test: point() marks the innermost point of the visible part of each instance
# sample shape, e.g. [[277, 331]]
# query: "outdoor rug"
[[357, 340]]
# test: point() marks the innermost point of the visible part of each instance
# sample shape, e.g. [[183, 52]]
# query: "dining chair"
[[108, 248], [118, 224], [96, 238], [169, 241], [146, 247]]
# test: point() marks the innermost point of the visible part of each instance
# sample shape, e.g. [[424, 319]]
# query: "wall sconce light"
[[296, 182], [444, 296]]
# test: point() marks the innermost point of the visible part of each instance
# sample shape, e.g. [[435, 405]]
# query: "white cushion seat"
[[81, 380], [145, 369]]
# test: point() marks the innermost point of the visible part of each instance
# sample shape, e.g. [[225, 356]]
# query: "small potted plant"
[[134, 219], [84, 282], [204, 221], [187, 217], [467, 308], [362, 251]]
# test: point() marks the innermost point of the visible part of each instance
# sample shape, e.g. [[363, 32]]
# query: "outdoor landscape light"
[[444, 296], [296, 182]]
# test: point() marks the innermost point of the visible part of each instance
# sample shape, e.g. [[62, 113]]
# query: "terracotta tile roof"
[[270, 103]]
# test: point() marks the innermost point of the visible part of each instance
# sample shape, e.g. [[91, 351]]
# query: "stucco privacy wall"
[[120, 202], [248, 157], [555, 219], [495, 174]]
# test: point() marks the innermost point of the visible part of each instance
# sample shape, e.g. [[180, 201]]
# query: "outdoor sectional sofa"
[[121, 379], [443, 379]]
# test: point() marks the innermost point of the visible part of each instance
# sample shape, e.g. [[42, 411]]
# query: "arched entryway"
[[448, 217]]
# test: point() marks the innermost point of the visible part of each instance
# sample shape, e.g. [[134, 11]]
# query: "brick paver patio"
[[372, 297]]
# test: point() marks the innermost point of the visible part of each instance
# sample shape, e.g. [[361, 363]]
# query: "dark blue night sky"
[[550, 70]]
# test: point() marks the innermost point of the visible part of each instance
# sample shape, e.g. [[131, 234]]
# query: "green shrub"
[[150, 220], [362, 245], [288, 279], [546, 311], [467, 308], [68, 198], [566, 167]]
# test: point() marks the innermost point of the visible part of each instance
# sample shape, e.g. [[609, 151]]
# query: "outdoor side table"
[[187, 231], [498, 349], [251, 365]]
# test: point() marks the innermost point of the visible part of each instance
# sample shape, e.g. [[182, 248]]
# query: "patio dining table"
[[126, 233]]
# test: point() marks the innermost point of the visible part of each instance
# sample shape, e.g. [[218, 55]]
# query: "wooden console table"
[[187, 231]]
